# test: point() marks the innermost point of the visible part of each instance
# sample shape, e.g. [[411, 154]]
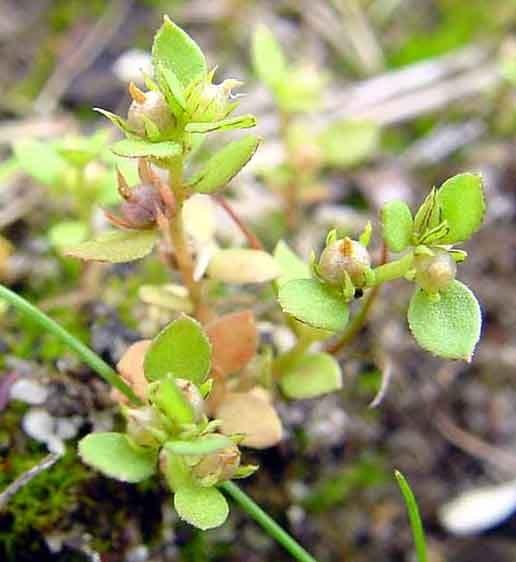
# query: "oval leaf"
[[291, 266], [312, 375], [134, 148], [117, 246], [230, 353], [224, 165], [252, 415], [182, 349], [204, 508], [115, 456], [450, 327], [228, 124], [203, 446], [175, 49], [312, 303], [268, 59], [40, 160], [240, 265], [348, 143], [462, 204], [397, 224]]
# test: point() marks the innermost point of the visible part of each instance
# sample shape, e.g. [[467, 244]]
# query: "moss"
[[42, 503]]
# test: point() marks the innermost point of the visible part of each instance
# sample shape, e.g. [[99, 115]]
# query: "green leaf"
[[291, 266], [239, 122], [416, 525], [183, 349], [116, 456], [224, 165], [133, 148], [204, 508], [450, 326], [171, 401], [116, 246], [462, 204], [173, 89], [242, 265], [201, 446], [312, 375], [115, 119], [311, 302], [175, 49], [8, 168], [428, 216], [64, 233], [268, 59], [397, 225], [348, 143], [40, 160]]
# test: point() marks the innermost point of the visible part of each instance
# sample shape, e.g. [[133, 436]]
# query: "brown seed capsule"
[[435, 273], [222, 464], [151, 106], [343, 257], [139, 420]]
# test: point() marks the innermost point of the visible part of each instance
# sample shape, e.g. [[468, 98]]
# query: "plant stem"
[[180, 240], [356, 324], [107, 373], [290, 194], [251, 237], [286, 359], [392, 270], [263, 519], [84, 352]]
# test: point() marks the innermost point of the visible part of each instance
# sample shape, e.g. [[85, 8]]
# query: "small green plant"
[[444, 315], [202, 388], [298, 90], [81, 171]]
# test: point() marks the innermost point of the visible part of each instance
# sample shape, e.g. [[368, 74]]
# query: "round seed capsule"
[[343, 257], [155, 108], [435, 273]]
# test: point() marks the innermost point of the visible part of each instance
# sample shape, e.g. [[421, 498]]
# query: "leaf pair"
[[450, 215]]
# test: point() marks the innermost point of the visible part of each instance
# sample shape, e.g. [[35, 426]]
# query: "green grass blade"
[[418, 533]]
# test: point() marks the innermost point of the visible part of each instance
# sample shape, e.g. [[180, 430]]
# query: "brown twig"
[[251, 238]]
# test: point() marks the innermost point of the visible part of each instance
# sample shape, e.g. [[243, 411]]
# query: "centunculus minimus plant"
[[203, 388]]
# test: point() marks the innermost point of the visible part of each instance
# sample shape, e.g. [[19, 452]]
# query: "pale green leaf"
[[448, 327], [116, 246], [224, 165], [204, 508], [201, 446], [428, 216], [242, 265], [311, 375], [238, 122], [116, 456], [313, 303], [40, 160], [181, 348], [66, 233], [175, 49], [291, 266], [348, 143], [135, 148], [397, 225], [462, 204], [169, 398], [268, 59], [115, 119]]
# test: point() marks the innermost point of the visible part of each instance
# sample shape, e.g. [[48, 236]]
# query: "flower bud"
[[193, 395], [221, 465], [208, 102], [141, 209], [150, 105], [343, 257], [139, 422], [434, 273]]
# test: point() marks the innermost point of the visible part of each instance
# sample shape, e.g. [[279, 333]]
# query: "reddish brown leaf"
[[234, 340], [130, 368]]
